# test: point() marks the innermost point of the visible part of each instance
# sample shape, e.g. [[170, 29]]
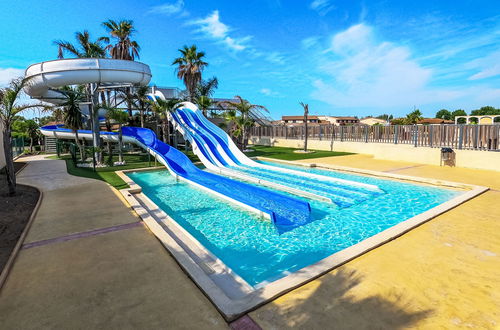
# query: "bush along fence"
[[472, 137]]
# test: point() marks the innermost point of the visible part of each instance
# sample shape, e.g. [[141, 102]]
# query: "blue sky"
[[341, 57]]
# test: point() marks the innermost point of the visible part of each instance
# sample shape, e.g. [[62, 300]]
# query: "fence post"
[[431, 135], [320, 132], [460, 136], [415, 135], [476, 131], [366, 134], [341, 133], [396, 134], [286, 132]]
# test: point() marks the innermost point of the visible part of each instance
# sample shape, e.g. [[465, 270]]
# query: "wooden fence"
[[474, 137]]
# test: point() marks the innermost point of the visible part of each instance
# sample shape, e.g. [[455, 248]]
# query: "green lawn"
[[133, 161], [288, 153], [108, 173]]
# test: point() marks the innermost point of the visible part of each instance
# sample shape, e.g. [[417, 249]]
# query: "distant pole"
[[306, 115]]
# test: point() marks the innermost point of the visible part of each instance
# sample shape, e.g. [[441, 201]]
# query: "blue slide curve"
[[285, 212]]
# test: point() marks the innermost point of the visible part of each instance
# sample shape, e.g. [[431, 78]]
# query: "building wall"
[[372, 121], [485, 160]]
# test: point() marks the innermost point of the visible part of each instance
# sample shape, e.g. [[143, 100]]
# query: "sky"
[[341, 57]]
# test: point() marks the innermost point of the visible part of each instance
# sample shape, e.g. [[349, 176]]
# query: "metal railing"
[[17, 146], [473, 137]]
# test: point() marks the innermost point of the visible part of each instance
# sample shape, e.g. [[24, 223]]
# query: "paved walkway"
[[102, 269], [444, 274], [89, 263]]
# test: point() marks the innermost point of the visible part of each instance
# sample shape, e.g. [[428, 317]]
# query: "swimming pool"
[[253, 248]]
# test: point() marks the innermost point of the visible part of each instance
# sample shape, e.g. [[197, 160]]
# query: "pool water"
[[253, 248]]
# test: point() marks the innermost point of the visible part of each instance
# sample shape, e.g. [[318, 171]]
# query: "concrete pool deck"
[[88, 263], [443, 274]]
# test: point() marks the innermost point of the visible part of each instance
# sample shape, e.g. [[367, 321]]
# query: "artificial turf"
[[289, 154], [133, 161]]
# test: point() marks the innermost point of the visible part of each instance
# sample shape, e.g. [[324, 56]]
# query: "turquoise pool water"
[[253, 248]]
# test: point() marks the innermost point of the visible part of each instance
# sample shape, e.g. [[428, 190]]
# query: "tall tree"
[[9, 108], [413, 117], [121, 32], [72, 115], [119, 117], [32, 132], [85, 47], [163, 108], [443, 114], [190, 66], [459, 112], [140, 97], [204, 103], [244, 121], [305, 107], [204, 92], [487, 110], [124, 49]]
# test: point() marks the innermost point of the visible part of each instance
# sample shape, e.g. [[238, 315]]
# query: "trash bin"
[[447, 157]]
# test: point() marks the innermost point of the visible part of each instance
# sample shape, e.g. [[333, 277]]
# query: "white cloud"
[[489, 66], [362, 72], [322, 6], [7, 74], [309, 42], [170, 8], [276, 58], [212, 27], [269, 92]]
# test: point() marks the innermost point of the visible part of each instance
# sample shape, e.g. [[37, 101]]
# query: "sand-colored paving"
[[444, 274]]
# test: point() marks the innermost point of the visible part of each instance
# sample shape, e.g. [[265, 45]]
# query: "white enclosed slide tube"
[[44, 77]]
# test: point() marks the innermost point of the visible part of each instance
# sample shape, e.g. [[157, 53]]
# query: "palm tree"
[[32, 132], [72, 114], [9, 108], [413, 117], [203, 93], [163, 108], [244, 121], [122, 31], [204, 103], [306, 113], [140, 97], [120, 117], [189, 68], [85, 47]]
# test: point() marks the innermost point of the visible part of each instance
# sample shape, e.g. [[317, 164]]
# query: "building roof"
[[297, 117], [435, 121], [344, 118]]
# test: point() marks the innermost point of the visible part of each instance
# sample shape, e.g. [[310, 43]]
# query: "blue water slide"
[[191, 119], [203, 142], [223, 153], [285, 212]]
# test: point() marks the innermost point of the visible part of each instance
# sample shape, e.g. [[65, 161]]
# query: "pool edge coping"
[[231, 309]]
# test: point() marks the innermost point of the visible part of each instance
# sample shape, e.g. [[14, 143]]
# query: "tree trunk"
[[120, 144], [305, 136], [166, 131], [9, 161], [31, 145], [77, 141], [110, 153], [129, 106]]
